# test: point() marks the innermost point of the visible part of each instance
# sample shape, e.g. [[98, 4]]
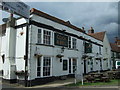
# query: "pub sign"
[[61, 39]]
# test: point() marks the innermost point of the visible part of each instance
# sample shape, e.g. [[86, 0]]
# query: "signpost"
[[19, 8]]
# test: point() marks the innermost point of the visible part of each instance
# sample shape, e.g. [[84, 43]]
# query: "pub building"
[[56, 49]]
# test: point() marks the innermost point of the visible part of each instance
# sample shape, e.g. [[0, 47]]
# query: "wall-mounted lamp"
[[60, 56]]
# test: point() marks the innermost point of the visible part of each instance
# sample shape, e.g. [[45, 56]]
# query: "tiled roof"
[[45, 15], [115, 47], [98, 35], [118, 42]]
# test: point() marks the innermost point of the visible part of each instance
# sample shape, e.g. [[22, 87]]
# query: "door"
[[72, 65], [84, 66]]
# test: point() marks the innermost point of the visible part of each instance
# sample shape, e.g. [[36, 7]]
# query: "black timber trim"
[[38, 24], [44, 45], [21, 25], [60, 31]]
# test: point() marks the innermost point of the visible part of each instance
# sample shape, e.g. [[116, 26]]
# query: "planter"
[[105, 59], [98, 58], [59, 56], [84, 56], [38, 55], [20, 72]]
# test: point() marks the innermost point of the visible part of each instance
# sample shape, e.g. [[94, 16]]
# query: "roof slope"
[[45, 15], [115, 47], [98, 35]]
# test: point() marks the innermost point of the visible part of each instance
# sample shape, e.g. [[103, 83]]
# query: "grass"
[[111, 83]]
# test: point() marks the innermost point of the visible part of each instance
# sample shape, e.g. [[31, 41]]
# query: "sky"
[[102, 16]]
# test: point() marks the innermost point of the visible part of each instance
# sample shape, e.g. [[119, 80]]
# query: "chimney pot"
[[91, 30]]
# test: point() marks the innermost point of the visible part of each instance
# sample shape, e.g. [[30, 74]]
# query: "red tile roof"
[[45, 15], [115, 47], [118, 42], [98, 35]]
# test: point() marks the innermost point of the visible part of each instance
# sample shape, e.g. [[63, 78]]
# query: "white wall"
[[49, 51]]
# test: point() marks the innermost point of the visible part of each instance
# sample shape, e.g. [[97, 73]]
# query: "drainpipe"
[[26, 54]]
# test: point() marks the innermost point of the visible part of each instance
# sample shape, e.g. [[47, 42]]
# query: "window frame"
[[65, 67]]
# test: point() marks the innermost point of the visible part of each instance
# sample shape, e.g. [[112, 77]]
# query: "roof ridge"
[[45, 15]]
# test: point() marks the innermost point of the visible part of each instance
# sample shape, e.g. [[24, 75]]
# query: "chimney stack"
[[91, 30]]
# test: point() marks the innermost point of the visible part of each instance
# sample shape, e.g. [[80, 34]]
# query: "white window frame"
[[41, 41], [42, 62], [50, 66], [47, 38], [39, 66], [39, 36], [69, 42], [74, 43], [72, 65]]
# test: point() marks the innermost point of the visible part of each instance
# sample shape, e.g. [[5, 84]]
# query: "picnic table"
[[97, 77], [105, 79], [114, 74]]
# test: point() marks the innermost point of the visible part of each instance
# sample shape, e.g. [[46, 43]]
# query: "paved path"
[[57, 83]]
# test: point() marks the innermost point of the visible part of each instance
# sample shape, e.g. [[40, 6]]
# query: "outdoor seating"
[[105, 79], [97, 77]]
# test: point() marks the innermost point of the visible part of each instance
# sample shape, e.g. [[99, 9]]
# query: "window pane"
[[39, 66], [39, 36], [64, 64], [46, 37], [46, 66]]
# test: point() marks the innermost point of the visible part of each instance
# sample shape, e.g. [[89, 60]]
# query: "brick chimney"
[[91, 30], [117, 41]]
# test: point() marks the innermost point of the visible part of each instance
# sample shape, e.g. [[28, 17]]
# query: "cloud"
[[100, 15]]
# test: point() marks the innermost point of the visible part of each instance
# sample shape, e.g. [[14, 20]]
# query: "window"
[[99, 50], [106, 50], [46, 66], [47, 37], [74, 43], [38, 66], [69, 65], [44, 37], [65, 64], [69, 42], [39, 36], [74, 65]]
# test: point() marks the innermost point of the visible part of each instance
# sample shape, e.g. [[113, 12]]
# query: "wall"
[[50, 50]]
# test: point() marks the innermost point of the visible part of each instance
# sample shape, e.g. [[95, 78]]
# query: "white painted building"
[[56, 48]]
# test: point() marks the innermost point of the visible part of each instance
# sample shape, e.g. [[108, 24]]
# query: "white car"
[[117, 64]]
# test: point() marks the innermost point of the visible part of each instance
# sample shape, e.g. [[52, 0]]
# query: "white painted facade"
[[13, 46]]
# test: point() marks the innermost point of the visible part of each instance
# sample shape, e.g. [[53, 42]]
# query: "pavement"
[[57, 83]]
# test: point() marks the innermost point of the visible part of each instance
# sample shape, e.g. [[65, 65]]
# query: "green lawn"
[[111, 83]]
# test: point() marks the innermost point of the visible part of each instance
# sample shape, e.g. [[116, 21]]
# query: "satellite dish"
[[5, 19]]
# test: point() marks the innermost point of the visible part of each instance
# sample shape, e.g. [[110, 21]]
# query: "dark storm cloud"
[[102, 16]]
